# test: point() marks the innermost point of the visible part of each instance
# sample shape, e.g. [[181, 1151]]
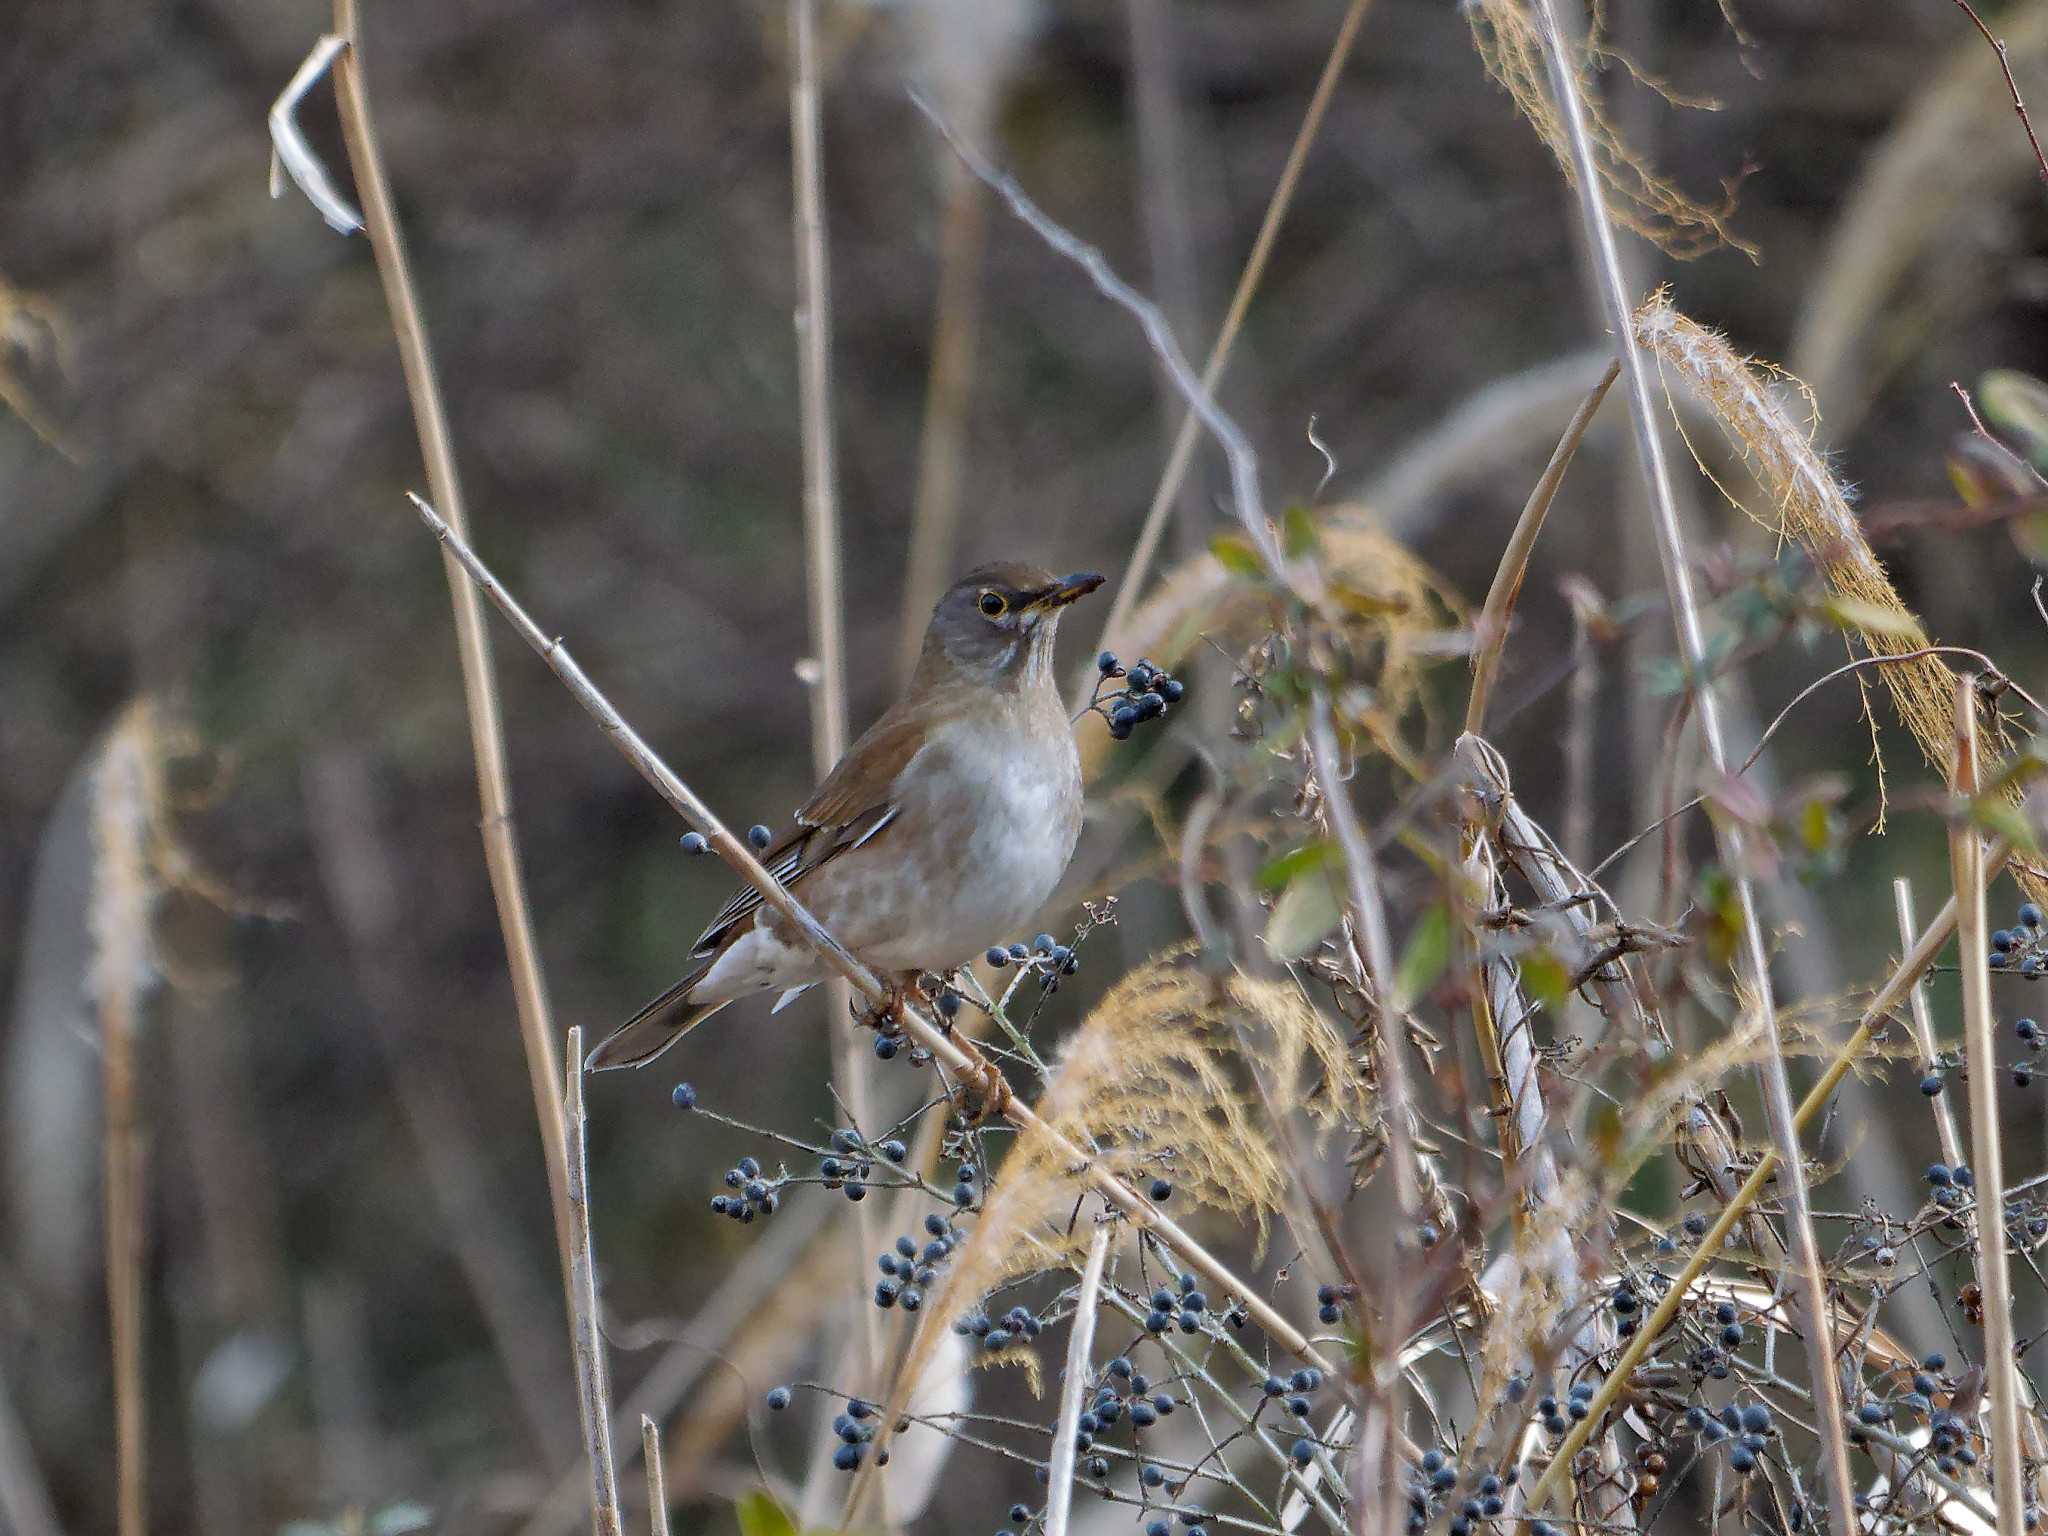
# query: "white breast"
[[990, 848]]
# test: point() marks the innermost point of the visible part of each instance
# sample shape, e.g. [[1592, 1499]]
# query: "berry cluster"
[[756, 1197], [851, 1163], [1433, 1482], [1147, 693], [1045, 955], [2023, 948], [909, 1270], [1017, 1323], [1184, 1306], [855, 1428], [1746, 1430]]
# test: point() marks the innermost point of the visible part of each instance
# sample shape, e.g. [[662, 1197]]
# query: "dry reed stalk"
[[1973, 943], [125, 806], [1876, 1013], [1492, 624], [1923, 1030], [1139, 565], [1375, 1469], [942, 439], [823, 582], [479, 676], [1729, 836], [1811, 509], [593, 1373], [1074, 1388], [738, 857], [657, 1485]]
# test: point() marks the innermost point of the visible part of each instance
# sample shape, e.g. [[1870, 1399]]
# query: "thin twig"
[[593, 1374], [1997, 444], [738, 857], [1248, 500], [1876, 1013], [120, 921], [1923, 1029], [1492, 626], [1777, 1092], [1139, 566], [2012, 85], [657, 1485], [479, 676], [1074, 1390], [1973, 945]]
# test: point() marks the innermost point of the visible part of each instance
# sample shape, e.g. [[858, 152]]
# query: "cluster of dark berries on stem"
[[909, 1270], [756, 1197], [1147, 693], [2023, 948]]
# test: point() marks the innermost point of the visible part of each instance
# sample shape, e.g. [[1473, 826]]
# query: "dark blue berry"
[[1161, 1190], [2030, 915], [778, 1398], [759, 836], [684, 1096], [695, 843], [1106, 663], [1302, 1453], [846, 1458], [997, 956]]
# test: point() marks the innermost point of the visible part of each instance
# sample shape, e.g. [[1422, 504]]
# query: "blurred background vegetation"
[[350, 1277]]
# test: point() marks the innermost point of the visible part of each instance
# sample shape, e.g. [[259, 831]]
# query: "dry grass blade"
[[1492, 625], [1876, 1013], [1923, 1029], [943, 1046], [296, 155], [1139, 565], [126, 798], [1730, 837], [479, 677], [1973, 943], [1074, 1389], [593, 1373]]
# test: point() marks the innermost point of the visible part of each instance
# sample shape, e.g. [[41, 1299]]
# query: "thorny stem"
[[1777, 1091], [1973, 944]]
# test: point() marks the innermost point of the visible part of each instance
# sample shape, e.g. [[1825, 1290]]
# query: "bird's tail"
[[656, 1027]]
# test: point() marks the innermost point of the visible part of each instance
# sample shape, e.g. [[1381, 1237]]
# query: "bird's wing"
[[852, 808]]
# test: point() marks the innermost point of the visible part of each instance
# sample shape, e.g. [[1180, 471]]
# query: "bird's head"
[[995, 625]]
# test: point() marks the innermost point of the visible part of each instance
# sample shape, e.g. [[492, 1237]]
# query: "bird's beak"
[[1068, 588]]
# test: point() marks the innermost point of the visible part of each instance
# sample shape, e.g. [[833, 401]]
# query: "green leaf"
[[1286, 869], [1423, 960], [1544, 978], [1303, 917], [2004, 818], [1983, 473], [2017, 405], [1235, 554], [760, 1515], [1298, 536]]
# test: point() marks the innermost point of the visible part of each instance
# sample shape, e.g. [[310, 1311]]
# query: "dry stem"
[[1492, 626], [479, 677], [1973, 943], [1777, 1091], [1074, 1389], [593, 1375], [657, 1485]]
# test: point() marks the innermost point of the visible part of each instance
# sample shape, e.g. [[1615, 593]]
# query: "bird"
[[946, 825]]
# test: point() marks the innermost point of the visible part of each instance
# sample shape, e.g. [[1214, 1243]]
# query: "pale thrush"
[[943, 829]]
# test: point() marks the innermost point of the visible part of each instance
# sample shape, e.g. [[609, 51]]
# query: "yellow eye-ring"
[[993, 605]]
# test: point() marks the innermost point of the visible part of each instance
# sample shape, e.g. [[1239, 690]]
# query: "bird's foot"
[[984, 1091]]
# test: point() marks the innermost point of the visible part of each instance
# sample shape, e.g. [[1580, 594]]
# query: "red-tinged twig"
[[2012, 85]]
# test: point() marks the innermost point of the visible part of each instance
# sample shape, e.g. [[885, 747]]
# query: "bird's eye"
[[993, 605]]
